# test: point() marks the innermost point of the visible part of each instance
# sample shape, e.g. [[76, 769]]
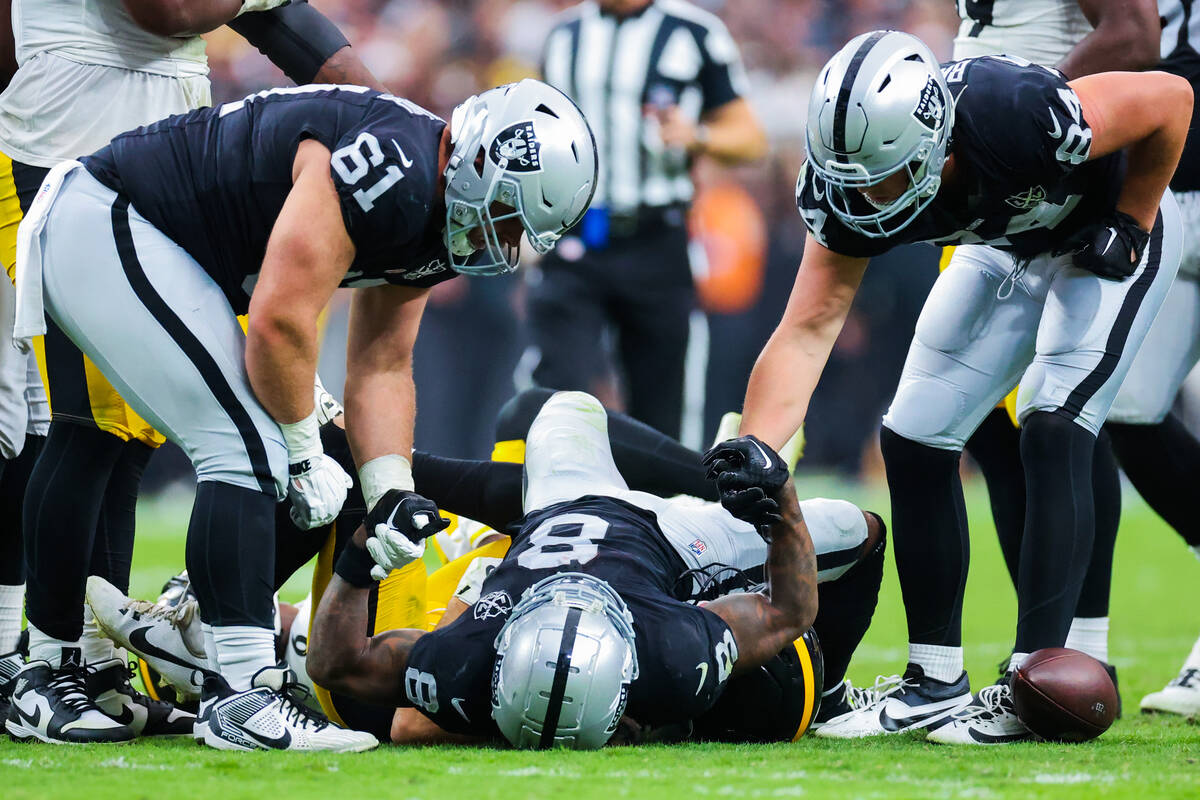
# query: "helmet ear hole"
[[478, 162]]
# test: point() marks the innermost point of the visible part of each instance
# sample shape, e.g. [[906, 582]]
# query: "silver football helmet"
[[564, 662], [879, 107], [527, 147]]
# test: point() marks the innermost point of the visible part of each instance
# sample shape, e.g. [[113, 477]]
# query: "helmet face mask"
[[524, 148], [880, 107], [565, 660]]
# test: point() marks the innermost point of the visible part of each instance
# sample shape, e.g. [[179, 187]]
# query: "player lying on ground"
[[1066, 179], [310, 189], [777, 702]]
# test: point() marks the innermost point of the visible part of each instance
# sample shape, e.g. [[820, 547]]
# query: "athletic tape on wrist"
[[380, 475], [303, 439], [354, 566]]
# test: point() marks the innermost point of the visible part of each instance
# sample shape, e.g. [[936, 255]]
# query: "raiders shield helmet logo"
[[932, 106], [517, 145]]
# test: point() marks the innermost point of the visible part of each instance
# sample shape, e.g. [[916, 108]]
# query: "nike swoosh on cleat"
[[124, 718], [34, 719], [893, 724], [139, 642], [274, 742], [987, 738]]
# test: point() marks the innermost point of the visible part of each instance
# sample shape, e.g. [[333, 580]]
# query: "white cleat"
[[272, 715], [168, 638], [989, 719], [897, 704], [1180, 696], [51, 704]]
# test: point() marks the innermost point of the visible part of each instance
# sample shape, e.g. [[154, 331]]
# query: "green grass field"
[[1154, 622]]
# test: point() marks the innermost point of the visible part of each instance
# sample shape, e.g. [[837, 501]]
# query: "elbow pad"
[[295, 37]]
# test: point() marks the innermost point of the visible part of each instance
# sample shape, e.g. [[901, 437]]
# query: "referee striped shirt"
[[671, 52]]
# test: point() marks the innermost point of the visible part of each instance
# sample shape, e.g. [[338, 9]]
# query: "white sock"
[[1193, 659], [12, 598], [96, 647], [940, 663], [1089, 635], [43, 647], [1016, 661], [210, 645], [242, 650]]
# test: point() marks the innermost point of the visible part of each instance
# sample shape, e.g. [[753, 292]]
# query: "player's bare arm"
[[383, 328], [1147, 114], [790, 365], [730, 133], [345, 67], [341, 658], [1124, 37], [182, 17], [307, 255], [762, 625]]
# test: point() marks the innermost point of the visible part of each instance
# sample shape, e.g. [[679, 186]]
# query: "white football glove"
[[397, 526], [317, 491], [327, 406]]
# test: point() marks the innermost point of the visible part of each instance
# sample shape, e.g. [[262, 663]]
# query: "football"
[[1064, 695]]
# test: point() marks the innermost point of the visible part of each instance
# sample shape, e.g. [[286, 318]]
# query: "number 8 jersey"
[[214, 181], [685, 653], [1020, 145]]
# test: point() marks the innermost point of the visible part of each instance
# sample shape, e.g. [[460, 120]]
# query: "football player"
[[309, 189], [778, 701], [87, 72], [1066, 181], [578, 625]]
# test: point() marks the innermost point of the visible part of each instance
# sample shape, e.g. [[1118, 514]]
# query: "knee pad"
[[929, 411], [838, 530]]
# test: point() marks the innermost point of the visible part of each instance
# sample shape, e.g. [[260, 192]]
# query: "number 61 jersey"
[[214, 181], [685, 653], [1020, 146]]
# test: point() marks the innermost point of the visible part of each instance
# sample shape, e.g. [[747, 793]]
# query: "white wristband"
[[380, 475], [303, 439]]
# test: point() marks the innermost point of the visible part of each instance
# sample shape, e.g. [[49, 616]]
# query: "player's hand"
[[748, 475], [1110, 248], [397, 528], [317, 488]]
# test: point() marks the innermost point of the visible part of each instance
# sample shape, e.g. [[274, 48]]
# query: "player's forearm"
[[1152, 163], [345, 67], [1126, 41], [381, 406], [281, 361], [783, 380], [792, 566], [181, 17], [733, 135]]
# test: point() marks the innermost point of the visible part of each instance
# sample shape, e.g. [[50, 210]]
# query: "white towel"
[[30, 316]]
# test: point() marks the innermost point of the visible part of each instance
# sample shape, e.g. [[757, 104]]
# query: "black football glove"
[[748, 474], [397, 527], [1110, 248]]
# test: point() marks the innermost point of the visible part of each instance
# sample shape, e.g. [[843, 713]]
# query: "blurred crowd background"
[[469, 356]]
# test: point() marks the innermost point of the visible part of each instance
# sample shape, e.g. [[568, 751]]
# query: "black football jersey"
[[214, 180], [685, 653], [1020, 143]]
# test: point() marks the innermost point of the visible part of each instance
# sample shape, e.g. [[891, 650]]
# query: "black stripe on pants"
[[192, 347]]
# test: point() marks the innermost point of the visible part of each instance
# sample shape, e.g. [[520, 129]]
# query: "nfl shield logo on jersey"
[[517, 145], [931, 107], [698, 547]]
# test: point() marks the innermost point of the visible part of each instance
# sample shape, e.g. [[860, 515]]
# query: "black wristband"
[[354, 566], [296, 37]]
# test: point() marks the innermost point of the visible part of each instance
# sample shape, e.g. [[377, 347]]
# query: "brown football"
[[1064, 695]]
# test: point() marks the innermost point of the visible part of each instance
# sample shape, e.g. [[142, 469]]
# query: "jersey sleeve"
[[384, 180], [685, 656], [722, 77], [449, 682], [813, 204], [1028, 116]]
